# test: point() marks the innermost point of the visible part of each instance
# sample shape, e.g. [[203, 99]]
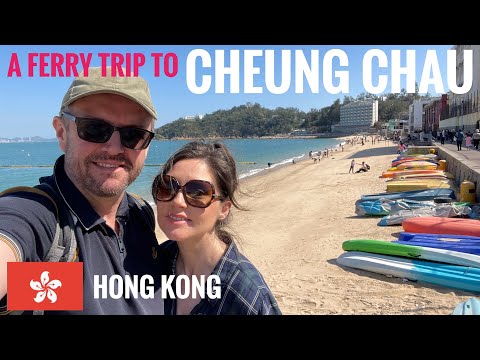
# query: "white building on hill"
[[357, 116]]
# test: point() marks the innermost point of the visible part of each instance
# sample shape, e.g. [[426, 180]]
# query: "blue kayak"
[[382, 207], [419, 195], [461, 243], [453, 276], [469, 307]]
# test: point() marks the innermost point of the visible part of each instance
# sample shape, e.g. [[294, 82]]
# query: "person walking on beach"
[[352, 167], [104, 128], [194, 193]]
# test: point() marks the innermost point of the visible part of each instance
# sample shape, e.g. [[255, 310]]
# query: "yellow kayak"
[[394, 173], [439, 175], [418, 184], [424, 165]]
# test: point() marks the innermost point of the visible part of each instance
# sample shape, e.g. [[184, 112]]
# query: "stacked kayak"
[[440, 175], [383, 207], [448, 242], [442, 225], [449, 210], [417, 184], [397, 162], [419, 195], [412, 251], [398, 173], [416, 164], [452, 276], [439, 245], [382, 204], [436, 266]]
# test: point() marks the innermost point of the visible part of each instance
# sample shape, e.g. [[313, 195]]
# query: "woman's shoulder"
[[237, 267], [242, 263], [247, 282]]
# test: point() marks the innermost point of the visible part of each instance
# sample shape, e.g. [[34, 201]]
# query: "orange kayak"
[[442, 225], [445, 175], [391, 174], [420, 164], [401, 161]]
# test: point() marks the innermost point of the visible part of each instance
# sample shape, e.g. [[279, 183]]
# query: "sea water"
[[24, 163]]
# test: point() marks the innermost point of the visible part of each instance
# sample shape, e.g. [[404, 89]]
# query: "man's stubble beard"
[[88, 182]]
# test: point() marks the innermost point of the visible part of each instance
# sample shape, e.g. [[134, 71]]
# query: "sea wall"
[[458, 165]]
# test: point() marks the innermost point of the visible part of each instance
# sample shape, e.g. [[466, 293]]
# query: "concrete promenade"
[[463, 164], [473, 155]]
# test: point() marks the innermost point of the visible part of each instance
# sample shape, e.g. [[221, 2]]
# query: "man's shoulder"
[[143, 208], [28, 219], [26, 199], [24, 212]]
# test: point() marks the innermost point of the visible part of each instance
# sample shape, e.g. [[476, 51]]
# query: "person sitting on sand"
[[363, 168]]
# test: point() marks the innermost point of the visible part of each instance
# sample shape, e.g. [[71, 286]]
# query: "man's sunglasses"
[[99, 131], [197, 193]]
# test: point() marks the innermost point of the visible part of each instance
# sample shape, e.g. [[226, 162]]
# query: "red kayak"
[[442, 225]]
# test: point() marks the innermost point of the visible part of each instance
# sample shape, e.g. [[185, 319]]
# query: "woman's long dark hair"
[[222, 164]]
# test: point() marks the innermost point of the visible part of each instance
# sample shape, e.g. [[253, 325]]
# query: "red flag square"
[[45, 286]]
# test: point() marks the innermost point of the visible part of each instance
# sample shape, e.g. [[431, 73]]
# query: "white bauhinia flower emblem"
[[45, 288]]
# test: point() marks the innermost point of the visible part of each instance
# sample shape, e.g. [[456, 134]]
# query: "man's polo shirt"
[[28, 224]]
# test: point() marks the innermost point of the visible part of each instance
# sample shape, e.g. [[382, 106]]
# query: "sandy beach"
[[299, 216]]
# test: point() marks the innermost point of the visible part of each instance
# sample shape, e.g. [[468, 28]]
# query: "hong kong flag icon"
[[45, 286]]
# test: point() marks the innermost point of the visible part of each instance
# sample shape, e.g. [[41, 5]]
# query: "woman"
[[194, 193]]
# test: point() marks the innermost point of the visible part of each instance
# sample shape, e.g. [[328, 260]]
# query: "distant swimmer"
[[270, 164]]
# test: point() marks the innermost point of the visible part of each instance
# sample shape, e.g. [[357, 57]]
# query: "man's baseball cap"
[[133, 88]]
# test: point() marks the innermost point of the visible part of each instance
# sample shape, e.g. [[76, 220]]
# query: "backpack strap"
[[146, 208], [64, 244]]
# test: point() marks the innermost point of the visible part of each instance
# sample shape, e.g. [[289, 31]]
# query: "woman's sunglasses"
[[197, 193], [99, 131]]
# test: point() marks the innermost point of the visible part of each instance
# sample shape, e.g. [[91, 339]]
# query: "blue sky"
[[28, 103]]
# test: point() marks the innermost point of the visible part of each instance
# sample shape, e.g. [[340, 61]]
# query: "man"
[[363, 168], [459, 138], [104, 128]]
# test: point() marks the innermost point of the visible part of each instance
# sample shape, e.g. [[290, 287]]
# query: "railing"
[[464, 108]]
